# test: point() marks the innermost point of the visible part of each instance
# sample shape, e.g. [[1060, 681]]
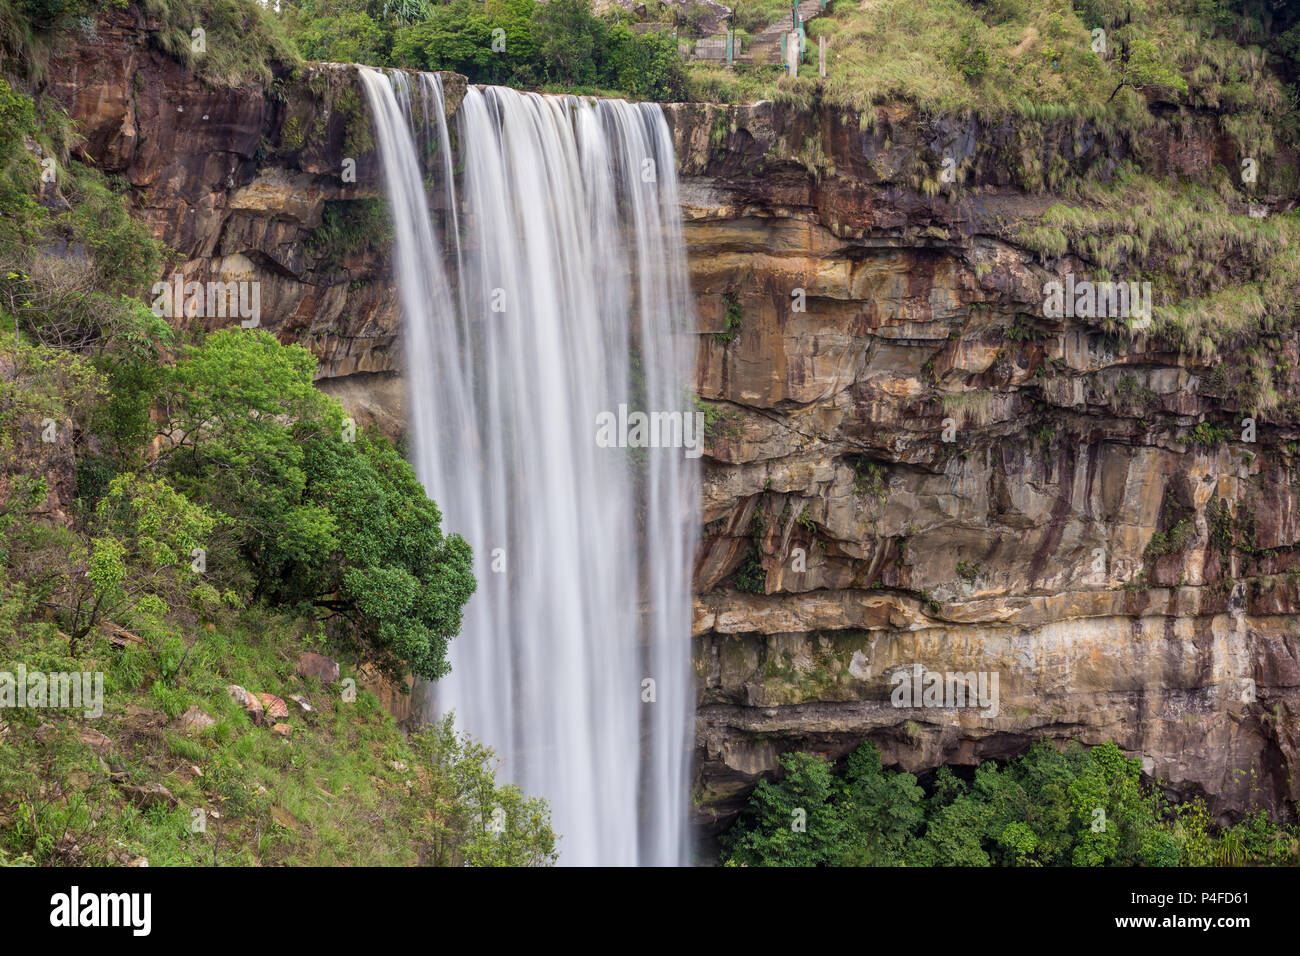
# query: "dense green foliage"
[[555, 45], [318, 515], [180, 512], [1047, 807]]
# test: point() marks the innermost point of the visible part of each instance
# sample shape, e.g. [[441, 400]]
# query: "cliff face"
[[866, 543], [237, 181]]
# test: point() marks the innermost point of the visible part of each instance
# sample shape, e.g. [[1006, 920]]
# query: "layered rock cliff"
[[902, 473], [238, 182], [844, 537]]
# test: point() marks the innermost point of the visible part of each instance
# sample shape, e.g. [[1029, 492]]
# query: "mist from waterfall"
[[546, 288]]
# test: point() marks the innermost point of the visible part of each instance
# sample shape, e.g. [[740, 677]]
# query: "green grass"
[[245, 44], [1224, 285], [349, 788], [1031, 59]]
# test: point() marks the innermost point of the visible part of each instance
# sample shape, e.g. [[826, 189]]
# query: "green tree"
[[790, 822], [470, 820], [1110, 809], [568, 39], [1142, 65], [645, 66], [136, 552], [339, 526], [240, 408], [390, 582], [882, 811]]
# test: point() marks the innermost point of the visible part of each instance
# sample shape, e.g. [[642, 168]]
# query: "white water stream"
[[542, 277]]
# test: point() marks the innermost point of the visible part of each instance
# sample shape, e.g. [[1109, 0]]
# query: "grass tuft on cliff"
[[224, 42], [1224, 284], [242, 42]]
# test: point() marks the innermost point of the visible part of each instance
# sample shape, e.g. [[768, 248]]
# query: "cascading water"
[[567, 299]]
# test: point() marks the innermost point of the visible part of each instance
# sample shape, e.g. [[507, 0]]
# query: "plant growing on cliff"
[[1210, 433], [735, 318], [718, 422], [1173, 541], [751, 577], [242, 42], [1142, 66], [348, 228], [869, 479]]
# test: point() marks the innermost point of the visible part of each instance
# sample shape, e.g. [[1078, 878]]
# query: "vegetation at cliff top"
[[181, 512], [1037, 58], [559, 45], [1225, 286], [1047, 807], [241, 43]]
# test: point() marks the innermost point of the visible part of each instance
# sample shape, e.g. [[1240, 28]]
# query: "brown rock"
[[248, 701], [282, 730], [149, 795], [195, 721], [285, 819], [317, 665], [275, 707], [100, 744]]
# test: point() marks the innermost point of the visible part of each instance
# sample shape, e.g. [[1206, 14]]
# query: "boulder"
[[146, 796], [248, 701], [275, 706], [195, 721], [319, 666]]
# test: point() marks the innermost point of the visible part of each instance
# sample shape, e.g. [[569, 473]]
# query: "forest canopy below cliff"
[[1050, 806]]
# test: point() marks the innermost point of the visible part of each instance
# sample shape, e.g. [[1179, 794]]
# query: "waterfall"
[[545, 294]]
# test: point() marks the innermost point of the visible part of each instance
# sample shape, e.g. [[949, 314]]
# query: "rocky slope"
[[865, 542]]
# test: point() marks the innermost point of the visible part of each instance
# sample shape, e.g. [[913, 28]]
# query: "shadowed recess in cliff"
[[549, 289]]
